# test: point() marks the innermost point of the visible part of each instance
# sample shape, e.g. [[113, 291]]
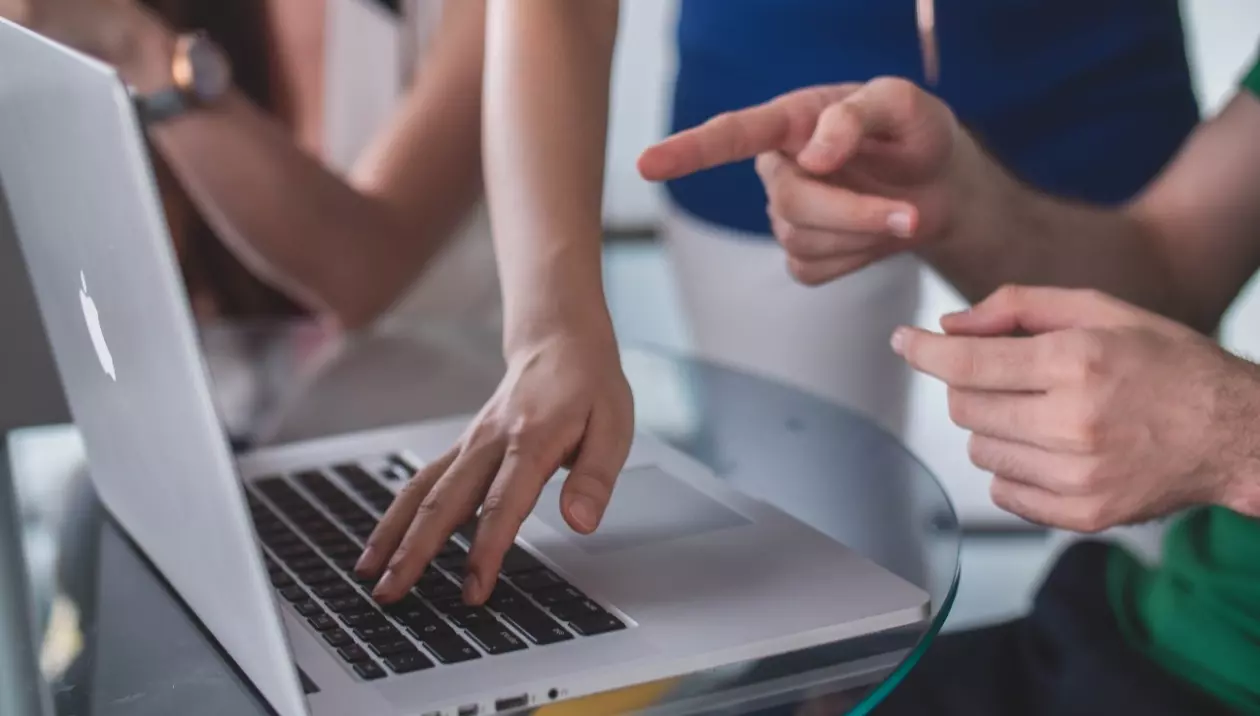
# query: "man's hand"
[[564, 402], [854, 173], [1092, 413]]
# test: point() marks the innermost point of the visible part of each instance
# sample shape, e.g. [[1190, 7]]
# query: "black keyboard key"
[[411, 611], [452, 547], [280, 580], [293, 594], [453, 563], [597, 624], [321, 575], [354, 476], [405, 463], [278, 541], [313, 481], [353, 653], [505, 599], [350, 605], [369, 671], [345, 549], [361, 528], [297, 550], [438, 587], [332, 591], [396, 473], [346, 564], [568, 611], [469, 617], [305, 563], [337, 638], [377, 632], [530, 582], [391, 647], [408, 663], [452, 651], [358, 620], [307, 608], [496, 638], [433, 631], [558, 595], [518, 560], [468, 530], [322, 622], [538, 627]]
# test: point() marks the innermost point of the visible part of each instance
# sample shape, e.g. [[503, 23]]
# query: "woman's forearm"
[[346, 246], [548, 66]]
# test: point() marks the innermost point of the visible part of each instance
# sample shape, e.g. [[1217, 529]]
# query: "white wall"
[[1222, 35]]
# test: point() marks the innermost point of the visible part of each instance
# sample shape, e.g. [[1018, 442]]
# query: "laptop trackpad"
[[648, 506]]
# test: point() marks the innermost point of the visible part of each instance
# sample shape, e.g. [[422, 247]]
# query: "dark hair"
[[241, 28]]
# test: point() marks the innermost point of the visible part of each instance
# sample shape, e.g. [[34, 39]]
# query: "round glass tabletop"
[[823, 464]]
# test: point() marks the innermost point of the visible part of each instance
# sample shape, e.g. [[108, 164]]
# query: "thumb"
[[591, 480], [880, 109], [1035, 310]]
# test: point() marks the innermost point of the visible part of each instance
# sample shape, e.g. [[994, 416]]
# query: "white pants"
[[745, 310]]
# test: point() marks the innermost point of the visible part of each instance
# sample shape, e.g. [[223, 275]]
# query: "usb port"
[[513, 703]]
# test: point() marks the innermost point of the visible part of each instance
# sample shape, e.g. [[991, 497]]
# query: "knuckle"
[[1088, 432], [805, 272], [1093, 518], [962, 410], [1087, 356], [1003, 496], [497, 506], [1009, 296], [962, 366]]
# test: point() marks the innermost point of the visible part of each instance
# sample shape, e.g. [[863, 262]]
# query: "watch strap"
[[162, 105]]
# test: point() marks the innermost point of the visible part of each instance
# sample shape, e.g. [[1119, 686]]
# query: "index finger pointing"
[[785, 123], [1007, 364]]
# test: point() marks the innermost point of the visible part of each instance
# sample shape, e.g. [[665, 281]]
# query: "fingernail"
[[901, 224], [472, 588], [385, 586], [584, 513], [899, 340], [366, 559]]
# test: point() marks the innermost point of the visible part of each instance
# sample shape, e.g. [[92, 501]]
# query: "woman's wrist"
[[558, 317]]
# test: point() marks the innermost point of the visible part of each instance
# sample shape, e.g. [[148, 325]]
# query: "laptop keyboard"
[[313, 531]]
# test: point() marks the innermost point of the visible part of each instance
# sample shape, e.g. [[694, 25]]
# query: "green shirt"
[[1198, 614]]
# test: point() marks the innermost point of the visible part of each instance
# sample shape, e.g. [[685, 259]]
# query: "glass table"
[[111, 638]]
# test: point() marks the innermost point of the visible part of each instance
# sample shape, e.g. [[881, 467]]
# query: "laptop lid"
[[84, 204]]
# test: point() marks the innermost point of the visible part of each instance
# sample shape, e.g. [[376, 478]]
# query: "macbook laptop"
[[684, 574]]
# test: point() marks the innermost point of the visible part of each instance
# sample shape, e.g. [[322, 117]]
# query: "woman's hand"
[[91, 26], [563, 402]]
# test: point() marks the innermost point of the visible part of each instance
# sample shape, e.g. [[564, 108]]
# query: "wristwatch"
[[200, 76]]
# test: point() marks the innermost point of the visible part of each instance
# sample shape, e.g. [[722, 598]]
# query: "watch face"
[[202, 70]]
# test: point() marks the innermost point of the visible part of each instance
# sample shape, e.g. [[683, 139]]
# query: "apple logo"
[[93, 319]]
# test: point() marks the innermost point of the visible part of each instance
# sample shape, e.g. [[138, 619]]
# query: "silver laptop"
[[685, 573]]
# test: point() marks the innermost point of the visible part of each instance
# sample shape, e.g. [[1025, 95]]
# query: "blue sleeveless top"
[[1083, 98]]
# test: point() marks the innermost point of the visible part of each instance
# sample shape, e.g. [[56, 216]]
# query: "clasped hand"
[[1089, 412]]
